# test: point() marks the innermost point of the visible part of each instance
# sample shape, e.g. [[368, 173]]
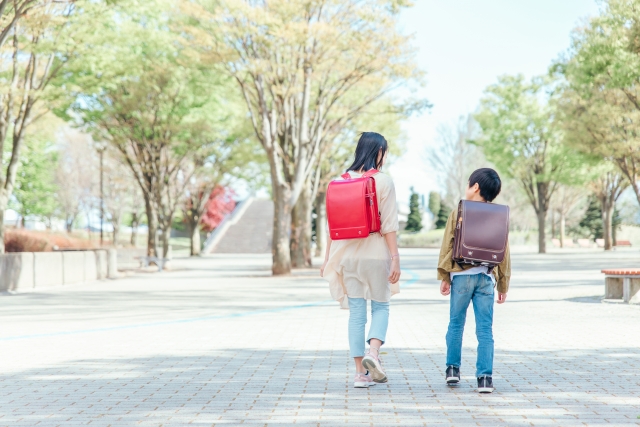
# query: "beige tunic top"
[[359, 268]]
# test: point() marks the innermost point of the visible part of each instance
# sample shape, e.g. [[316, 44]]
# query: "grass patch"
[[423, 239]]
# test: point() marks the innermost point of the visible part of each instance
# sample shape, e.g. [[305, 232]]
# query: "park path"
[[219, 342]]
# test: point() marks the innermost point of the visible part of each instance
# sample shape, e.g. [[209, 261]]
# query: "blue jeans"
[[358, 320], [464, 289]]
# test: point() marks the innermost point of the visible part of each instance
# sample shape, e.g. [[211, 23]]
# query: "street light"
[[101, 147]]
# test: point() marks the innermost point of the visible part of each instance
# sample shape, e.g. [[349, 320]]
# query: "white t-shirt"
[[474, 270]]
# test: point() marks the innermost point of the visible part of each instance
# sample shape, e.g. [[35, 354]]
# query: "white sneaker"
[[372, 364], [362, 381]]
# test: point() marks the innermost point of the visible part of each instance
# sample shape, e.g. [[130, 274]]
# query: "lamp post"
[[101, 147]]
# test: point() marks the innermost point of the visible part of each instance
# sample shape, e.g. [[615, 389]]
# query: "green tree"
[[40, 44], [35, 191], [152, 98], [414, 220], [434, 203], [616, 222], [600, 104], [608, 187], [301, 66], [520, 137], [443, 216], [591, 222]]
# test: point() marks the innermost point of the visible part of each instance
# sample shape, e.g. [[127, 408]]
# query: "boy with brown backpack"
[[474, 258]]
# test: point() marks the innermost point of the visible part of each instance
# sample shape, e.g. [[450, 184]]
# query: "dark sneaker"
[[453, 375], [485, 384]]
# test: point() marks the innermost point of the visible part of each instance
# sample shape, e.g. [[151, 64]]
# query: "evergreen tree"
[[414, 220], [616, 222], [591, 223], [443, 216], [434, 203]]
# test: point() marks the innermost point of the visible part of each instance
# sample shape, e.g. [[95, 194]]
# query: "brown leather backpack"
[[481, 234]]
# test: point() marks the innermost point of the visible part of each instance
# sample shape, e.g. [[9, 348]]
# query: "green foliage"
[[434, 202], [519, 134], [414, 220], [591, 224], [600, 103], [443, 216], [35, 190]]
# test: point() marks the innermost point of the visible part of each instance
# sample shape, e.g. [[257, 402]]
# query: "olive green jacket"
[[446, 265]]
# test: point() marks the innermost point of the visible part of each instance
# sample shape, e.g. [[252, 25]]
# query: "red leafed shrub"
[[40, 241], [220, 204]]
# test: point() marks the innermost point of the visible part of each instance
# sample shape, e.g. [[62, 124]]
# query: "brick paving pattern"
[[218, 342]]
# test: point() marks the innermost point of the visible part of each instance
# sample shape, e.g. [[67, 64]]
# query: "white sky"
[[463, 46]]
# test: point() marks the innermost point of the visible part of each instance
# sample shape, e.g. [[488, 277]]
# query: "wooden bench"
[[622, 283], [622, 243]]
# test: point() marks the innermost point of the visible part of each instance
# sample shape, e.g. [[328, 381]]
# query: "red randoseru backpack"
[[352, 207]]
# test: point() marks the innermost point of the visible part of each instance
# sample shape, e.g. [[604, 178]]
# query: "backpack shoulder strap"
[[367, 174], [370, 173]]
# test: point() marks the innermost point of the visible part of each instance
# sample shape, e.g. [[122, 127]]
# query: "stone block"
[[112, 264], [16, 271], [613, 287], [73, 267], [101, 263], [48, 269], [632, 294], [90, 266]]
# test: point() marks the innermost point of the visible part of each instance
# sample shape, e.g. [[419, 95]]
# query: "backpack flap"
[[482, 232], [350, 202]]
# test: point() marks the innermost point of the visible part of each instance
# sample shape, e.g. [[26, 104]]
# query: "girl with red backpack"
[[367, 268]]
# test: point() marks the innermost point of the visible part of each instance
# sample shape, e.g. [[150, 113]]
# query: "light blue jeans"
[[358, 320], [464, 289]]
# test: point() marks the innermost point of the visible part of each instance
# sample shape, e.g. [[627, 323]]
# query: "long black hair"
[[366, 155]]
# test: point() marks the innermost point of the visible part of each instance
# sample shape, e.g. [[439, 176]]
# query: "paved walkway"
[[219, 343]]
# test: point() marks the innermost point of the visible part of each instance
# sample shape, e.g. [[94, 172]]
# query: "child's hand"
[[394, 271], [324, 265], [501, 298], [445, 288]]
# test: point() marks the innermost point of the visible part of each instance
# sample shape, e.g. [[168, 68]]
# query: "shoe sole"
[[377, 375], [363, 385], [453, 380], [485, 389]]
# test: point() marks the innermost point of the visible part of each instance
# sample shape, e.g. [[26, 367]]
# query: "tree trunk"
[[195, 239], [135, 222], [542, 234], [321, 224], [553, 223], [281, 229], [562, 228], [166, 235], [116, 234], [300, 244], [607, 216], [152, 221], [3, 207], [541, 212]]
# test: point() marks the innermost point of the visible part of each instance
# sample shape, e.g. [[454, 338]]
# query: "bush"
[[38, 241], [429, 239]]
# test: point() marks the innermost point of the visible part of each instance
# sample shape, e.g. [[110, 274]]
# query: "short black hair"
[[489, 182]]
